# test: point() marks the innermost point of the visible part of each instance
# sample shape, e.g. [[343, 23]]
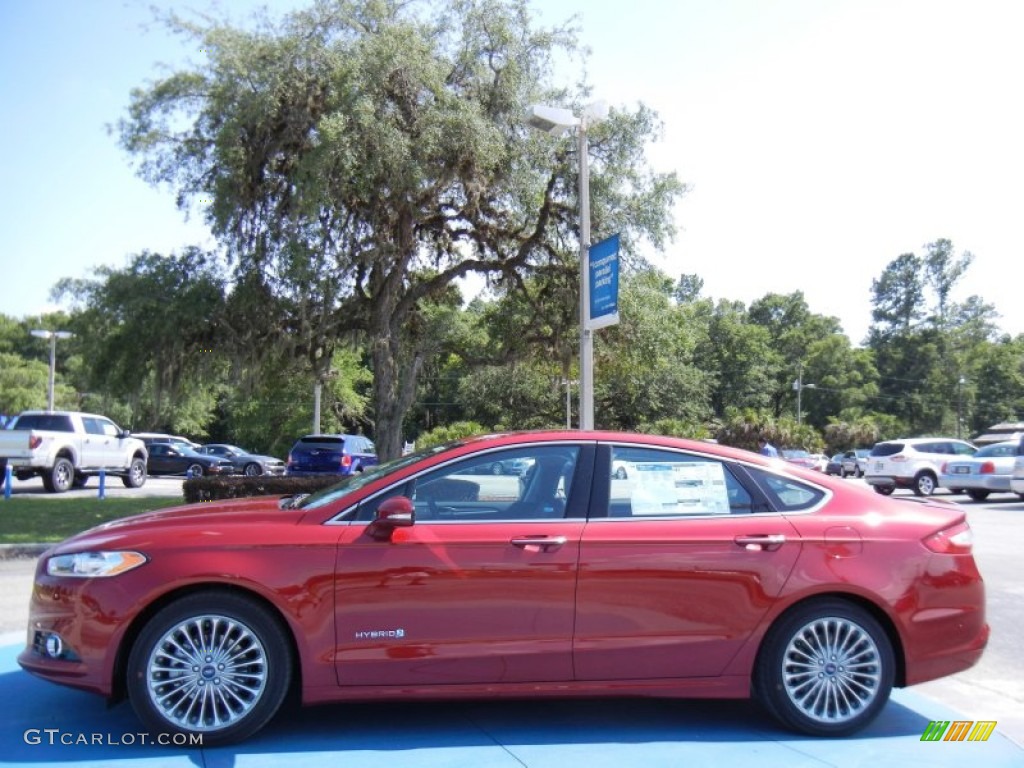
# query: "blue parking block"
[[46, 724]]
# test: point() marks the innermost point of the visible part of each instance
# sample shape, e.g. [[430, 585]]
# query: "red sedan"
[[706, 572]]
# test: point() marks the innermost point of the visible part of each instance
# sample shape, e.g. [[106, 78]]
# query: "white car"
[[914, 463], [1017, 478], [987, 471]]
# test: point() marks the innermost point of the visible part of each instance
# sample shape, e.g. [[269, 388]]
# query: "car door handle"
[[544, 542], [767, 542]]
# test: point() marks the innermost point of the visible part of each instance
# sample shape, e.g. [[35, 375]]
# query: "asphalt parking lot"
[[53, 725]]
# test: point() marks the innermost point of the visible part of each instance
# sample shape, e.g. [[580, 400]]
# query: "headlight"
[[87, 565]]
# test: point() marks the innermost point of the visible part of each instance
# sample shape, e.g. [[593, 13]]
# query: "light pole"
[[556, 121], [52, 336], [959, 405], [799, 387]]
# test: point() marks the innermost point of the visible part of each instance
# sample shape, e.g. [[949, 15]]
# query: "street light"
[[959, 405], [799, 387], [52, 336], [556, 122]]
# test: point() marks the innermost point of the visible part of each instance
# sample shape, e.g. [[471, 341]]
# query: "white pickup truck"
[[66, 447]]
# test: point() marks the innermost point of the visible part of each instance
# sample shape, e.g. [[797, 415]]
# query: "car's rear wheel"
[[925, 483], [826, 669], [60, 477], [216, 664], [885, 490], [977, 494]]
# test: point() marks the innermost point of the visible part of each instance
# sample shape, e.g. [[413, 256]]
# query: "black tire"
[[252, 469], [194, 470], [885, 490], [977, 494], [925, 483], [858, 472], [802, 683], [164, 678], [60, 477], [136, 477], [3, 473]]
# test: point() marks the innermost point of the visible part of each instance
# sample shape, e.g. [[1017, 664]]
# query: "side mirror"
[[396, 512]]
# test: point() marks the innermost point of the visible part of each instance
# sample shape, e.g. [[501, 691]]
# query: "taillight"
[[346, 461], [987, 468], [34, 441], [956, 540]]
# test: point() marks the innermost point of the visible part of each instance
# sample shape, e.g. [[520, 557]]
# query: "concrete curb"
[[16, 551]]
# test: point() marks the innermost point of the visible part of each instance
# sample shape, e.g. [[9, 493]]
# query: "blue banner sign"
[[603, 258]]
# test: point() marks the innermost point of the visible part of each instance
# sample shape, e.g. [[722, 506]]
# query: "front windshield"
[[359, 479]]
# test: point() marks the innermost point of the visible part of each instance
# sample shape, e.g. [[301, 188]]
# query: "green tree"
[[361, 155], [150, 335]]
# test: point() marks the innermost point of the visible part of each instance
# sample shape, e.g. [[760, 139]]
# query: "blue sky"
[[820, 139]]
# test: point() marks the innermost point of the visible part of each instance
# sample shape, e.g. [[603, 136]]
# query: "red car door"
[[678, 572], [480, 589]]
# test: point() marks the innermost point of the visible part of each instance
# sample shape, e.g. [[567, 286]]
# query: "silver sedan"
[[987, 471]]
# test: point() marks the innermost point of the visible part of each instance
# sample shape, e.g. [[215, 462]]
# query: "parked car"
[[799, 457], [835, 465], [65, 448], [250, 464], [180, 459], [987, 471], [855, 462], [414, 578], [331, 454], [912, 463], [1017, 478]]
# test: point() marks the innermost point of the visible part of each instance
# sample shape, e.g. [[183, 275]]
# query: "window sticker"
[[690, 488]]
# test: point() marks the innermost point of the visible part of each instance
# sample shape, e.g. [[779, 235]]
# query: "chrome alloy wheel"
[[832, 670], [206, 673]]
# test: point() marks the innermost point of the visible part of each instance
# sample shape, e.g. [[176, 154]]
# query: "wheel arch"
[[131, 634], [876, 612]]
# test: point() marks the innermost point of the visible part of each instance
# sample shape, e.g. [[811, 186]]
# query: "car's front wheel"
[[252, 469], [826, 668], [211, 664], [136, 476], [194, 470], [925, 484]]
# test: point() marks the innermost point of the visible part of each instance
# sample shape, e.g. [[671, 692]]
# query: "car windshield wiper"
[[290, 502]]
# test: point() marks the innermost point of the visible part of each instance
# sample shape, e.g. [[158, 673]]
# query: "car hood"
[[209, 520]]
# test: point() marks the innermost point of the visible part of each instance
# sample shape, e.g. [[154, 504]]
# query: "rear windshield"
[[887, 449], [321, 441], [54, 422]]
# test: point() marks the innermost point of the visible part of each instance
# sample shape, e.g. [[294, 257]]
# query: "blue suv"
[[331, 455]]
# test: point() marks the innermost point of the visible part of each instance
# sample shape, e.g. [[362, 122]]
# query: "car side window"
[[963, 450], [648, 482], [534, 484], [785, 493]]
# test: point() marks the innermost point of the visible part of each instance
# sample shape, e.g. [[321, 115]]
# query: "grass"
[[29, 521]]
